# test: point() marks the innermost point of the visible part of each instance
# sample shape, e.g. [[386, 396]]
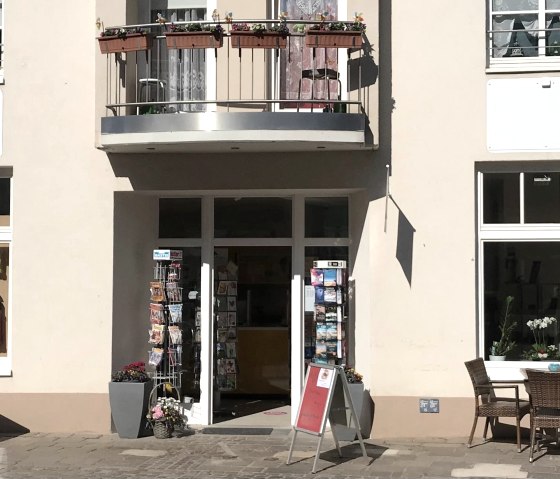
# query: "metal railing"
[[160, 81], [542, 48]]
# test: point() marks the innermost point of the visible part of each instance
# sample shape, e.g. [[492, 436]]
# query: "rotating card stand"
[[166, 319]]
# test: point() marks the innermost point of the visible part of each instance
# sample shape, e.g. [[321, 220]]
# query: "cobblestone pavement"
[[197, 455]]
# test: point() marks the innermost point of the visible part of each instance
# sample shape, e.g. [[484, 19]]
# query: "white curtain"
[[501, 38], [187, 68]]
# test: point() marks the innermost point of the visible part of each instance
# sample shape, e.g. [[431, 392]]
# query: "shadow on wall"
[[7, 426], [405, 245], [363, 72]]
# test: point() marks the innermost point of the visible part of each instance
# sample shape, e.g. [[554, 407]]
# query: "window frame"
[[541, 62], [506, 232]]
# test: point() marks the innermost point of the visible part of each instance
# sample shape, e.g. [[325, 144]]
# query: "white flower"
[[542, 355], [530, 324]]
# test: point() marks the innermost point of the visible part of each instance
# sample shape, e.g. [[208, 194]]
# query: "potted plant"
[[505, 344], [540, 349], [195, 35], [259, 35], [118, 40], [129, 391], [165, 416], [336, 34]]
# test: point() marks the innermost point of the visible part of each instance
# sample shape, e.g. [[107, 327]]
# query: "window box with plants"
[[119, 40], [259, 35], [336, 34], [194, 35]]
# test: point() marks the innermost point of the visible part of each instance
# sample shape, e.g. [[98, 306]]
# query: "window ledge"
[[511, 370], [525, 66]]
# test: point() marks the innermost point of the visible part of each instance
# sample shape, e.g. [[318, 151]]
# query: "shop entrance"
[[251, 331]]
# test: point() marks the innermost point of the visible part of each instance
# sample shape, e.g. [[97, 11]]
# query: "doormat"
[[238, 431]]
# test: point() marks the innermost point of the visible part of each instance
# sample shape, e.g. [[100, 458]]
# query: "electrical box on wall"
[[429, 406]]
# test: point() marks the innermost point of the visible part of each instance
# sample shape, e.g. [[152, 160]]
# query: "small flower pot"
[[257, 40], [332, 39], [162, 430], [496, 358], [191, 40], [132, 42]]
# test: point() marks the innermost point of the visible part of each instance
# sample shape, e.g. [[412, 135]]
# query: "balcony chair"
[[491, 407], [151, 89], [544, 397], [325, 74]]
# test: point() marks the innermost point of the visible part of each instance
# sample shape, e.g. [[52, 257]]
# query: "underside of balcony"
[[227, 131]]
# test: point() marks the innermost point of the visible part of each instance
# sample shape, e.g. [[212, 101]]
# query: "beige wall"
[[62, 218], [415, 283]]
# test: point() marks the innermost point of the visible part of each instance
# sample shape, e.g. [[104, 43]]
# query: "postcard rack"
[[166, 310], [329, 280]]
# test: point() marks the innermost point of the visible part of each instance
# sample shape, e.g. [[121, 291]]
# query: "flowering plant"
[[352, 376], [122, 32], [540, 349], [217, 30], [166, 410], [241, 27], [131, 373]]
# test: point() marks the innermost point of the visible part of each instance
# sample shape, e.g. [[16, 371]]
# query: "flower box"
[[132, 42], [181, 40], [258, 40], [333, 39]]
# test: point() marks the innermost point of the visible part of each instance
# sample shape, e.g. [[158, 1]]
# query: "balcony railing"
[[165, 87]]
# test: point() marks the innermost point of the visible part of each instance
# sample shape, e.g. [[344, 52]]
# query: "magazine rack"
[[166, 310]]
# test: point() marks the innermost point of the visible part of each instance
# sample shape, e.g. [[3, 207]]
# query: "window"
[[326, 217], [180, 217], [253, 218], [524, 30], [5, 275], [519, 256]]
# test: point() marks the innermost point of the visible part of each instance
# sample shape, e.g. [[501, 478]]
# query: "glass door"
[[251, 329]]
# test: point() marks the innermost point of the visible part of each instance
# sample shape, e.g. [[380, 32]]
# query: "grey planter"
[[129, 406], [361, 401]]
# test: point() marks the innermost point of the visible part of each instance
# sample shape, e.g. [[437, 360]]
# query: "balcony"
[[228, 95]]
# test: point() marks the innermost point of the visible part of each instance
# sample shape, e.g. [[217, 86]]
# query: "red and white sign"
[[315, 398]]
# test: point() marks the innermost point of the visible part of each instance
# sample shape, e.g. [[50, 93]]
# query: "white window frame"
[[6, 236], [522, 64], [511, 232]]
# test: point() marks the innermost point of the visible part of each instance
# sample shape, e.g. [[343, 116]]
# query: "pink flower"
[[157, 412]]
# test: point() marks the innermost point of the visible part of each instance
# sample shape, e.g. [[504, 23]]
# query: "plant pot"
[[132, 42], [190, 40], [496, 358], [339, 107], [361, 406], [162, 430], [129, 406], [332, 39], [261, 40]]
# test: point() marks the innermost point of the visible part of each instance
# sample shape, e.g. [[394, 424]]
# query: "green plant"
[[217, 30], [166, 410], [131, 373], [336, 26], [352, 376], [507, 326]]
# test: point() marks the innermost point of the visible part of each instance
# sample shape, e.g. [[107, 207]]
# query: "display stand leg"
[[336, 442], [317, 453], [291, 447]]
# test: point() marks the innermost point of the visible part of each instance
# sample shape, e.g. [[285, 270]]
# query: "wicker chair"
[[544, 387], [488, 405]]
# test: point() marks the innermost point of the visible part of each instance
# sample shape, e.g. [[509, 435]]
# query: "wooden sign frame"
[[316, 407]]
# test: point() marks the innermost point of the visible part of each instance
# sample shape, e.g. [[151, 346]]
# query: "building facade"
[[254, 165]]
